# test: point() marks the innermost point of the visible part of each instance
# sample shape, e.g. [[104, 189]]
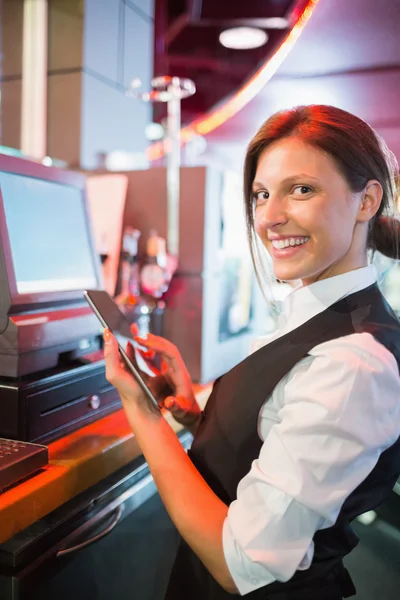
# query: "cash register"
[[52, 377]]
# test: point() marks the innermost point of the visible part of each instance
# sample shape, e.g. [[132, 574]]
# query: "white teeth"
[[280, 244]]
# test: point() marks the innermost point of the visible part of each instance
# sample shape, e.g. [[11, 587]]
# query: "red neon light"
[[235, 103]]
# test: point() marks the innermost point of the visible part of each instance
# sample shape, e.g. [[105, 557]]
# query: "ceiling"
[[347, 55], [187, 45]]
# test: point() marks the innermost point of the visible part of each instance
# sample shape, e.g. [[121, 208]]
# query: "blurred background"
[[83, 55]]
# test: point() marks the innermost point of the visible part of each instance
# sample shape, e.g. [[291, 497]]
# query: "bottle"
[[154, 276], [129, 252], [136, 307], [139, 309]]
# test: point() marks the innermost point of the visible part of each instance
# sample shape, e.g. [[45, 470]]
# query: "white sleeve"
[[337, 410]]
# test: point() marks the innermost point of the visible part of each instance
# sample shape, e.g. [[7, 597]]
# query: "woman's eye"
[[260, 197], [302, 190]]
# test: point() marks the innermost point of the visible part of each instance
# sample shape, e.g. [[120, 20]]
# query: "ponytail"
[[385, 236]]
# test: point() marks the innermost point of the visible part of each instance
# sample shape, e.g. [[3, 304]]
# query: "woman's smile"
[[286, 247]]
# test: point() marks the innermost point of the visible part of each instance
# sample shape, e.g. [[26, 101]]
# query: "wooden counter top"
[[76, 462]]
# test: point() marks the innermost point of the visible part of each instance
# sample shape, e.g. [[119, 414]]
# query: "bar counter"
[[77, 461]]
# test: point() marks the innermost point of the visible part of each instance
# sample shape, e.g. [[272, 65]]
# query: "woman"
[[303, 435]]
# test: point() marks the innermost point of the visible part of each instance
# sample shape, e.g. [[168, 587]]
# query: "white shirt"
[[323, 429]]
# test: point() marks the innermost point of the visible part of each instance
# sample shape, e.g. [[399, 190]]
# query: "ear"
[[370, 201]]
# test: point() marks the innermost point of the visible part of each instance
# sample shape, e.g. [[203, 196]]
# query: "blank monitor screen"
[[49, 237]]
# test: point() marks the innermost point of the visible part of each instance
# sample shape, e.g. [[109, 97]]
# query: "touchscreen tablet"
[[112, 318]]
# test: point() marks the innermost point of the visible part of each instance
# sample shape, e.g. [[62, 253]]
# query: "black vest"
[[227, 440]]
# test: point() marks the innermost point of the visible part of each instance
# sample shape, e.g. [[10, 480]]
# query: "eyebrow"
[[258, 184]]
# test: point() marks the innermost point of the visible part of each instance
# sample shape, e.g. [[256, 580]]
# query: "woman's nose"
[[270, 214]]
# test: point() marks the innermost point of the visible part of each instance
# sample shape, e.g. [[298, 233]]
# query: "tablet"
[[112, 318]]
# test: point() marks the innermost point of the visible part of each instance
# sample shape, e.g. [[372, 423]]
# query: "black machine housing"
[[51, 365]]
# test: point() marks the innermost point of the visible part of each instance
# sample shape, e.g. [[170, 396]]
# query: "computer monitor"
[[47, 260]]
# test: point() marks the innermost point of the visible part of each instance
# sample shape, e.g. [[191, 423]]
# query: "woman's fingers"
[[134, 329], [172, 367], [117, 372], [132, 354], [159, 345], [148, 353], [170, 403], [177, 405], [130, 351], [183, 410], [114, 366]]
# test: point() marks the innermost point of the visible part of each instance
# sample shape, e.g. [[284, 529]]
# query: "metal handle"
[[95, 538], [138, 493]]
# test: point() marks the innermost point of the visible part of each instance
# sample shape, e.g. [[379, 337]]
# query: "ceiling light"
[[154, 131], [243, 38], [231, 106], [276, 23]]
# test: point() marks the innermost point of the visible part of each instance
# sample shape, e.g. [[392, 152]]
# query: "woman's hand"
[[173, 375], [171, 385], [119, 375]]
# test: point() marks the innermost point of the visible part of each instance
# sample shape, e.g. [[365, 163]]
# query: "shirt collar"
[[306, 302]]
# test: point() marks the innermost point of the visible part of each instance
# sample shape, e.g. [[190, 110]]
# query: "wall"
[[95, 48], [11, 72], [118, 47]]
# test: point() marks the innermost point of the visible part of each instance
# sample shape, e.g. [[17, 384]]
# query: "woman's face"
[[305, 213]]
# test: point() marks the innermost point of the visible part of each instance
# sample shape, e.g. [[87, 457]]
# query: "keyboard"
[[19, 460]]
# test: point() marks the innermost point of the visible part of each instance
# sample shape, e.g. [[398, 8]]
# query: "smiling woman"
[[320, 186], [304, 434]]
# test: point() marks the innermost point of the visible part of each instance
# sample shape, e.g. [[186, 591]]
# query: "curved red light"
[[235, 103]]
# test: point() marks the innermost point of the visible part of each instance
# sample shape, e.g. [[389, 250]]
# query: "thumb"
[[177, 405], [112, 356], [170, 403]]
